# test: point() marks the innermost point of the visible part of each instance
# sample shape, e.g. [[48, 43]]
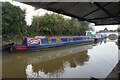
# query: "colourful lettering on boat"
[[33, 41]]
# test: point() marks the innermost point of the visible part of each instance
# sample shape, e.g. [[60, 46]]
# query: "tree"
[[57, 25], [13, 20], [79, 27], [84, 26], [106, 29]]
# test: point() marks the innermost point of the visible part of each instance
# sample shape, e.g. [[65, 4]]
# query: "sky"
[[30, 12]]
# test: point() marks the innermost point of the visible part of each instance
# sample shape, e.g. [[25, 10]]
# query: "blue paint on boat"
[[53, 40], [35, 43]]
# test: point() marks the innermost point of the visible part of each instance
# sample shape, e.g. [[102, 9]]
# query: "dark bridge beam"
[[102, 8], [95, 10], [104, 18]]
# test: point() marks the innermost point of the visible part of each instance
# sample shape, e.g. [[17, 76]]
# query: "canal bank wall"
[[115, 73]]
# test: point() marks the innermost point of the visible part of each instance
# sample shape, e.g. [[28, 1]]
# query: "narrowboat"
[[40, 42], [99, 37]]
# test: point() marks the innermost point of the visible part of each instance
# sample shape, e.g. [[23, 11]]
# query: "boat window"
[[44, 40], [63, 39], [53, 40], [80, 38], [75, 39]]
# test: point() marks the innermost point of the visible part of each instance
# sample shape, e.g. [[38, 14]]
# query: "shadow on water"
[[47, 63]]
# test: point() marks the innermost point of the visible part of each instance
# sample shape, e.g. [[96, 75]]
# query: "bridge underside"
[[100, 13]]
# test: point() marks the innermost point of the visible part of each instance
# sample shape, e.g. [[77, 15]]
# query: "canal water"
[[76, 61]]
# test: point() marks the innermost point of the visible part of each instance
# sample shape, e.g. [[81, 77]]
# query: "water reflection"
[[56, 66], [44, 64], [104, 40], [63, 62]]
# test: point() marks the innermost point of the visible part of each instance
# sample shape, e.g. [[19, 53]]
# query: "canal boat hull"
[[29, 43]]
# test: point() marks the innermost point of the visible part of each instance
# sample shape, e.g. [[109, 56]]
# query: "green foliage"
[[56, 25], [13, 20], [13, 23]]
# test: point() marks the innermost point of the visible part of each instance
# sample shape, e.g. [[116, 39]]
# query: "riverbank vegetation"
[[15, 26], [56, 25]]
